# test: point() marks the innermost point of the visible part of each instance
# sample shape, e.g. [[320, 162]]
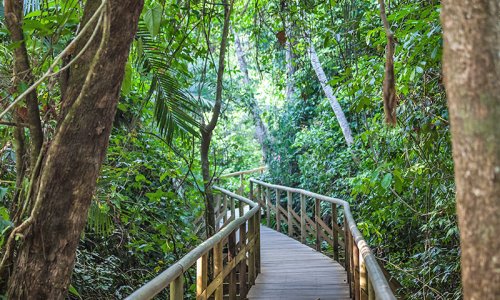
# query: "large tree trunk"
[[253, 106], [339, 113], [207, 129], [46, 256], [471, 65]]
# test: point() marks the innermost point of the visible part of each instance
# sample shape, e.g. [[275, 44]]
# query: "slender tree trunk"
[[22, 74], [46, 256], [471, 64], [253, 106], [207, 129], [339, 113], [289, 58]]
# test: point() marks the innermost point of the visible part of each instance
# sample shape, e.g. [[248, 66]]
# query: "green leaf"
[[73, 291], [386, 181], [152, 18]]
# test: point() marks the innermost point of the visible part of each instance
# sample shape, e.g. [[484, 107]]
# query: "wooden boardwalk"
[[293, 271]]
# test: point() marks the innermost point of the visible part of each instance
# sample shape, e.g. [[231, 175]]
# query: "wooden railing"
[[235, 250], [303, 219]]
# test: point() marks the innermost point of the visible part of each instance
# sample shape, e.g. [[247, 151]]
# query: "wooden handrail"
[[247, 256], [234, 174], [365, 276]]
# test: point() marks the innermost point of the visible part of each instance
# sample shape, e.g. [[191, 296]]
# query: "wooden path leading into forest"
[[251, 261], [293, 271]]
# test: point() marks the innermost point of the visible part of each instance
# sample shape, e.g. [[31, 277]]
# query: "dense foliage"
[[149, 201]]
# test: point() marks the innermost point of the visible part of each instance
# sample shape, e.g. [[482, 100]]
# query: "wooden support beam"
[[218, 267], [363, 279], [268, 207], [243, 264], [355, 267], [289, 208], [278, 214], [335, 233], [317, 216], [251, 252], [177, 288], [231, 255], [201, 277], [302, 218]]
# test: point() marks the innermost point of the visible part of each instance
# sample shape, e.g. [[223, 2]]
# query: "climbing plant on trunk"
[[69, 165]]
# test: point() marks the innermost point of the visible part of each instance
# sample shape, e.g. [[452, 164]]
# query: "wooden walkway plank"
[[293, 271]]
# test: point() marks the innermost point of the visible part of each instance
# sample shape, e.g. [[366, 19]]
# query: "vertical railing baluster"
[[363, 278], [302, 218], [201, 277], [243, 263], [278, 214], [257, 244], [177, 288], [224, 201], [251, 251], [268, 207], [233, 208], [317, 216], [355, 267], [371, 291], [231, 255], [241, 189], [289, 212], [335, 237], [347, 254], [218, 267]]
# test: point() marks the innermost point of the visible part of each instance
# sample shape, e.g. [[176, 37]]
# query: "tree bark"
[[339, 113], [253, 106], [207, 129], [46, 256], [471, 64], [22, 74]]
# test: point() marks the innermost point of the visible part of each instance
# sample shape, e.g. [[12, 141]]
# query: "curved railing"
[[366, 277], [235, 250]]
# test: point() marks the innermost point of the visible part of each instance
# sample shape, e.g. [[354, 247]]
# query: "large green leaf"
[[152, 18]]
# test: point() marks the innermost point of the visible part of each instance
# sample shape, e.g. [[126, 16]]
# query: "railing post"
[[201, 277], [241, 189], [347, 254], [177, 288], [217, 212], [233, 208], [289, 212], [251, 192], [317, 216], [251, 251], [243, 263], [335, 237], [257, 244], [231, 255], [355, 267], [218, 267], [371, 291], [268, 209], [224, 201], [363, 279], [302, 218], [278, 214]]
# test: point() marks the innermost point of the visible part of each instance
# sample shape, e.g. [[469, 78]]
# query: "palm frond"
[[99, 221], [175, 111]]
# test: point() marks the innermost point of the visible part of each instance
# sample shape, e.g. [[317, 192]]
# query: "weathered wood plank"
[[293, 271]]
